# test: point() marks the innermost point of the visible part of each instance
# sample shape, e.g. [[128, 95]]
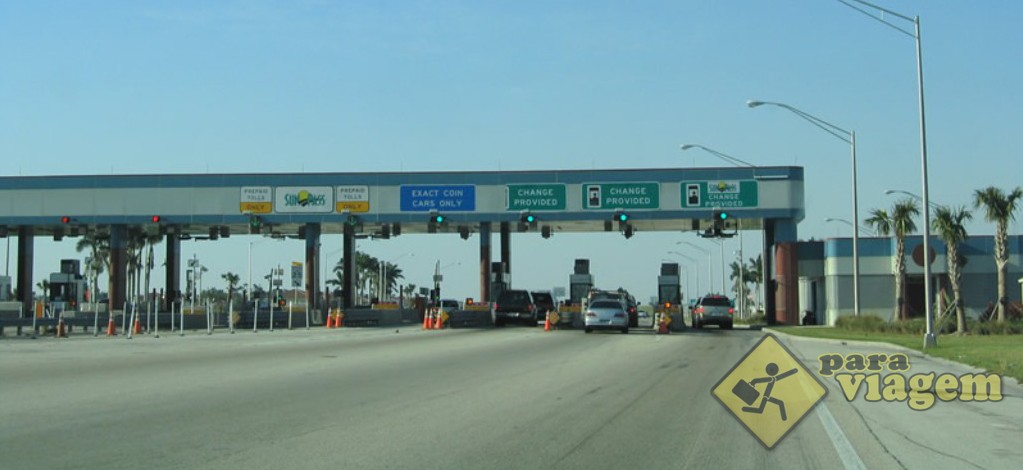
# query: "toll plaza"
[[117, 210]]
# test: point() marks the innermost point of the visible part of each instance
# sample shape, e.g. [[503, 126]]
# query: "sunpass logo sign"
[[304, 199]]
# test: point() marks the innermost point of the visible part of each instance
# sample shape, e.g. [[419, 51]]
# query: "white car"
[[606, 314]]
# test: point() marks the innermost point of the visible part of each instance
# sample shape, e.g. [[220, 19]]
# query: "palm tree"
[[1000, 208], [949, 225], [44, 286], [98, 259], [232, 280], [754, 273], [392, 273], [366, 268], [741, 277], [899, 223]]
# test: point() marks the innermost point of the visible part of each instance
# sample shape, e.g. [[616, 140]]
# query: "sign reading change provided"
[[611, 196], [537, 197], [719, 194]]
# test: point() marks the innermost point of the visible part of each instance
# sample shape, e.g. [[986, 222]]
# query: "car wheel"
[[697, 325], [728, 326], [498, 323], [625, 331], [589, 330]]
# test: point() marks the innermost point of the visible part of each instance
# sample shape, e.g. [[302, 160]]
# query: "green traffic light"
[[439, 219], [623, 217], [530, 218], [723, 216]]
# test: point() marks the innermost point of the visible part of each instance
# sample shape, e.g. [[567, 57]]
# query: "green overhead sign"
[[610, 196], [710, 194], [536, 197]]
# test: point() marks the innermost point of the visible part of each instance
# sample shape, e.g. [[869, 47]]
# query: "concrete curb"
[[1005, 380]]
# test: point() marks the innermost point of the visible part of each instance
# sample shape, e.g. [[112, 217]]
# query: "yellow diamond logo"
[[769, 391]]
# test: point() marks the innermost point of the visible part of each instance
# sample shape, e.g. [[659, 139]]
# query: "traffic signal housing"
[[436, 220], [255, 224], [527, 221]]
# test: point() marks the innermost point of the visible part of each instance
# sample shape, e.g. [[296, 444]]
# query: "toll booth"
[[5, 288], [67, 287], [500, 279], [669, 287], [580, 282]]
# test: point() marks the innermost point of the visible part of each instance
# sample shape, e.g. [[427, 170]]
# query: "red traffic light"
[[156, 219], [65, 220]]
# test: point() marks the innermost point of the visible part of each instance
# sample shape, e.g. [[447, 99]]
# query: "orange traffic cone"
[[61, 333], [111, 327], [137, 328], [330, 320], [339, 321], [426, 320], [547, 322], [440, 319], [662, 326]]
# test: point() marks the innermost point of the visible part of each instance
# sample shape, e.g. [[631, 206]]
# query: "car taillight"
[[632, 309], [531, 307], [699, 309], [731, 311], [495, 305]]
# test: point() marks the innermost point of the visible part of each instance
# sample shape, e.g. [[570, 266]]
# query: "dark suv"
[[514, 305], [713, 310], [544, 303]]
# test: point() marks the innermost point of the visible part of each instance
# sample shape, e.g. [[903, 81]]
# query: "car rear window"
[[543, 298], [449, 303], [716, 302], [514, 296], [606, 304]]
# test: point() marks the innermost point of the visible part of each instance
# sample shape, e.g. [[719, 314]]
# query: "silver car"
[[606, 314]]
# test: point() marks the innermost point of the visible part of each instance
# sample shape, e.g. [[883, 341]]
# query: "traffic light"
[[436, 220], [155, 219], [527, 221], [628, 231], [463, 231], [255, 224], [545, 231], [718, 217], [352, 220], [65, 220], [621, 217], [281, 301]]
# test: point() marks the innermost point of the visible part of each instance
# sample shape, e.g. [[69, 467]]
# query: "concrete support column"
[[769, 283], [783, 301], [787, 274], [506, 249], [348, 253], [485, 261], [172, 285], [26, 256], [118, 266], [312, 265]]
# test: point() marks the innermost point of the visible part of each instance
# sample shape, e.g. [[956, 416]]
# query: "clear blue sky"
[[321, 86]]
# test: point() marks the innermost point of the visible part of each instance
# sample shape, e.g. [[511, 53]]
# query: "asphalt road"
[[503, 398]]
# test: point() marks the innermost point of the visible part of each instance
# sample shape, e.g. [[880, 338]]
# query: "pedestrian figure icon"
[[748, 390], [748, 393]]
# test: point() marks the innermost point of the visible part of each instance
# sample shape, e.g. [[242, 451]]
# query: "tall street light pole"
[[847, 222], [710, 275], [929, 337], [848, 137]]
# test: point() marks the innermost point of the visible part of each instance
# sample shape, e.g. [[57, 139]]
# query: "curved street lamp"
[[848, 137], [723, 156], [929, 338], [846, 221]]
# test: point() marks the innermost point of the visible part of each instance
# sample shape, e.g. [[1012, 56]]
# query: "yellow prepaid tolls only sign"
[[769, 391]]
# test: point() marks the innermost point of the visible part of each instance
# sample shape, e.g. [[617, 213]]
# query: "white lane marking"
[[846, 453]]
